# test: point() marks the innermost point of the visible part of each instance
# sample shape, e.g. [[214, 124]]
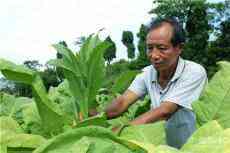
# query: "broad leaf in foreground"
[[13, 138], [215, 102], [91, 139], [209, 129], [147, 133], [50, 113]]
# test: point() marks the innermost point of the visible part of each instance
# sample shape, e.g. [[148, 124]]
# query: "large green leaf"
[[12, 106], [17, 73], [50, 113], [84, 71], [9, 124], [226, 139], [207, 130], [147, 133], [13, 137], [63, 97], [96, 71], [68, 60], [99, 120], [215, 102], [88, 47], [209, 138], [32, 120], [147, 146], [91, 139]]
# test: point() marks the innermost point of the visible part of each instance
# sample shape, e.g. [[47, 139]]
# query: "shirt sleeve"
[[188, 89], [138, 85]]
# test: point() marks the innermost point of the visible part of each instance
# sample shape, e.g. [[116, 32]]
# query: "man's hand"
[[93, 112]]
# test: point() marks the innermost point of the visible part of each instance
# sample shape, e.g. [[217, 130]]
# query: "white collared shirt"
[[185, 86]]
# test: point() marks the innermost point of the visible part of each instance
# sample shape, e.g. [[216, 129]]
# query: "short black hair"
[[178, 36]]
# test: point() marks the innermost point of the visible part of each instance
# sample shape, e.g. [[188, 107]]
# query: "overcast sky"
[[29, 27]]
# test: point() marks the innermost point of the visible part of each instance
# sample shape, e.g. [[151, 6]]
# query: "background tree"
[[49, 77], [142, 42], [127, 40], [198, 28], [110, 52], [33, 64]]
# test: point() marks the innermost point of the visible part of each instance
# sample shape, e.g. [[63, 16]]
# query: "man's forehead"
[[165, 30], [162, 33]]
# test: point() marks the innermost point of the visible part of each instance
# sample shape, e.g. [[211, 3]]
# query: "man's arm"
[[162, 112], [121, 104]]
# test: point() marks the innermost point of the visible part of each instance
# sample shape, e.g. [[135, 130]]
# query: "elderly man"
[[171, 82]]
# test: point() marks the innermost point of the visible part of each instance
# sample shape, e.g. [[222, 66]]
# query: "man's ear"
[[179, 48]]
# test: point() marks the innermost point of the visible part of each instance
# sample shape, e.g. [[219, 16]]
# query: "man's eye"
[[162, 48], [149, 49]]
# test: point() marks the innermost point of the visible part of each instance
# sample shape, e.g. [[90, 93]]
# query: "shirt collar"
[[177, 74], [179, 69]]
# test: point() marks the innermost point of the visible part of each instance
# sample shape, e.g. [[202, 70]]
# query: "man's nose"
[[154, 54]]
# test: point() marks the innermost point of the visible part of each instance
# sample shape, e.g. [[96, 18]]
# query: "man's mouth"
[[158, 63]]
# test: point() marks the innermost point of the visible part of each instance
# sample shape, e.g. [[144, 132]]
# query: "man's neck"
[[167, 74], [164, 76]]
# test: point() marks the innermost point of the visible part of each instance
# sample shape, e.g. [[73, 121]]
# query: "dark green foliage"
[[50, 77], [110, 53], [219, 49], [139, 63], [142, 42], [33, 65], [127, 40], [179, 8], [131, 51], [198, 33], [123, 81], [113, 71]]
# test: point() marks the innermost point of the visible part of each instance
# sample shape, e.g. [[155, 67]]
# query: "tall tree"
[[110, 52], [220, 48], [127, 40], [142, 60], [142, 41], [198, 28]]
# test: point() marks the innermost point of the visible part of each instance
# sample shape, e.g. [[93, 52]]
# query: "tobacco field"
[[57, 121]]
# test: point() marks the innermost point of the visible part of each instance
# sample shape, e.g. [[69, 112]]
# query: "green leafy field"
[[57, 121]]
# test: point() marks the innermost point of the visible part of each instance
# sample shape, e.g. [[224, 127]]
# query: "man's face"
[[162, 54]]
